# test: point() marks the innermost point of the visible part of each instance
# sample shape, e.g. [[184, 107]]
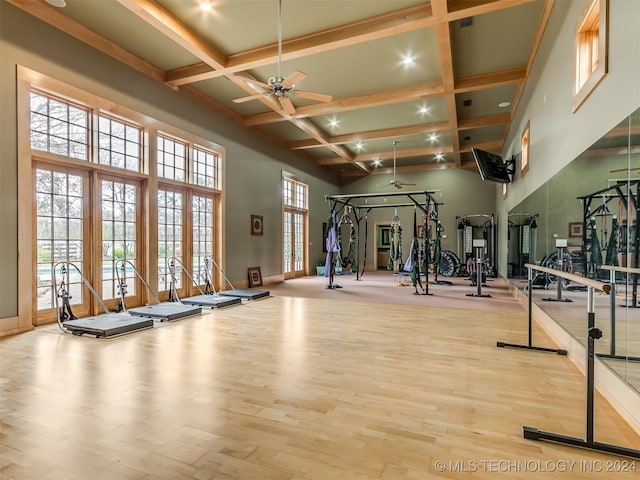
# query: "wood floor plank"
[[296, 389]]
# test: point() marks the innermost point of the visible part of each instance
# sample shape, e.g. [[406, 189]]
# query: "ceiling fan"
[[394, 182], [282, 87]]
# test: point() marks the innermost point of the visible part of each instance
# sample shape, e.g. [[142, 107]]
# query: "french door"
[[61, 229], [119, 236], [294, 243]]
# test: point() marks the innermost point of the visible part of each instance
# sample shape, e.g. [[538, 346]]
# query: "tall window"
[[119, 236], [590, 50], [294, 227], [202, 234], [59, 232], [170, 224]]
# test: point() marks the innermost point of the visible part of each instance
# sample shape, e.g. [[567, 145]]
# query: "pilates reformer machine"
[[242, 293], [359, 206], [104, 325], [161, 311], [208, 298]]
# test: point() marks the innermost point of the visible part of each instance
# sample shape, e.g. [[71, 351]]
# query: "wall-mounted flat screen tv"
[[492, 167]]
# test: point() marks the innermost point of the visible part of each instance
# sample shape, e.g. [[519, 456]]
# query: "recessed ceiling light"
[[433, 137], [423, 110], [359, 146], [333, 122], [439, 156], [504, 104], [408, 59], [205, 6], [377, 162], [57, 3]]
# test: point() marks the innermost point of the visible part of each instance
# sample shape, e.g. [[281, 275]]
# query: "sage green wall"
[[557, 135], [253, 165], [461, 192]]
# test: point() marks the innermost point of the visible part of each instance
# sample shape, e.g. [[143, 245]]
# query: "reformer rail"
[[593, 333]]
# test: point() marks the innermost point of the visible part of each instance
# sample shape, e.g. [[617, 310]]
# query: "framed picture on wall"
[[256, 224], [255, 277], [575, 229]]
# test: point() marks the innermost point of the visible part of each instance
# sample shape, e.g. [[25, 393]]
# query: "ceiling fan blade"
[[320, 97], [249, 97], [252, 81], [287, 106], [407, 184], [294, 78]]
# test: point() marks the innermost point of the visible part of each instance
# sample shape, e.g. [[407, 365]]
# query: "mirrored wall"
[[592, 204]]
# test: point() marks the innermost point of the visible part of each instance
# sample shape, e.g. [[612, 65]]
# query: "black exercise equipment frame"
[[339, 202]]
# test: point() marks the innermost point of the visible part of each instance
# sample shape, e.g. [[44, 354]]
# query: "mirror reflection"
[[582, 220]]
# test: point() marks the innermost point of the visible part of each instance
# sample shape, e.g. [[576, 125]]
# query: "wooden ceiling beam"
[[374, 135], [164, 21], [387, 97], [386, 25]]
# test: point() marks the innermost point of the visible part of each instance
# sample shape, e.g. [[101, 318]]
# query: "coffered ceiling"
[[428, 75]]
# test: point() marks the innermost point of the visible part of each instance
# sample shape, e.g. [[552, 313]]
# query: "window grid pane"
[[202, 225], [59, 127], [170, 229], [298, 253], [287, 247], [205, 168], [119, 240], [120, 144], [59, 234], [172, 159], [287, 192]]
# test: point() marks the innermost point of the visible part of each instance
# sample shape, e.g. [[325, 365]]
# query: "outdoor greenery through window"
[[93, 198]]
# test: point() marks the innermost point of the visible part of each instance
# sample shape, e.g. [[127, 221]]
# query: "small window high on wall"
[[590, 50]]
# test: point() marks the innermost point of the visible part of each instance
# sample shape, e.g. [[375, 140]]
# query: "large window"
[[99, 206], [170, 228], [202, 233], [119, 202], [59, 232], [294, 227]]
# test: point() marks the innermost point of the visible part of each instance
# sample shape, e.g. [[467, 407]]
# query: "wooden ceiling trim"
[[53, 17], [404, 169], [388, 155], [370, 100], [390, 24], [164, 21], [484, 121], [490, 80], [422, 128], [443, 40]]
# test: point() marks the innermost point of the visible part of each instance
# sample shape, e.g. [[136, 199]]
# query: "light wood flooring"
[[299, 389]]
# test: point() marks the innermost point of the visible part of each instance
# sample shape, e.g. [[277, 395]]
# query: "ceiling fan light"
[[57, 3]]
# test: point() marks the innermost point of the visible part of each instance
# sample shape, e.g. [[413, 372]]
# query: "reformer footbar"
[[105, 325], [160, 311]]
